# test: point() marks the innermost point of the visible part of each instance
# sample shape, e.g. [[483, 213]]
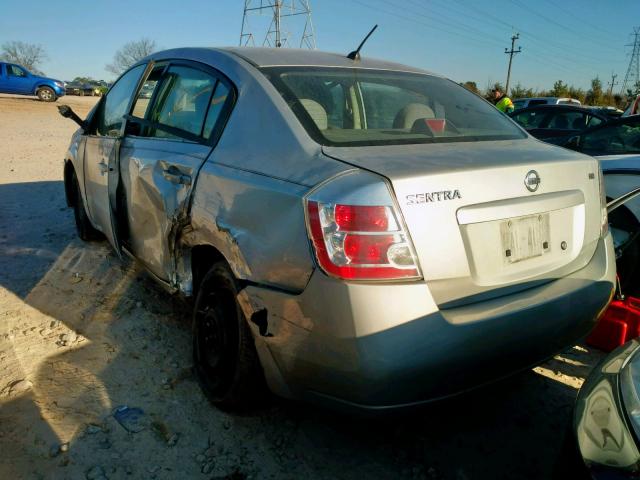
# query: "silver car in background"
[[356, 233]]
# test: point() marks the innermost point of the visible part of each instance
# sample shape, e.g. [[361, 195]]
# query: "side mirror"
[[573, 143], [67, 112]]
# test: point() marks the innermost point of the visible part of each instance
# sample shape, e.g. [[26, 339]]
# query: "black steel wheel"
[[224, 354], [85, 230]]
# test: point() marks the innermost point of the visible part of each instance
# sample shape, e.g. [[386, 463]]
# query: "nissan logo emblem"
[[532, 180]]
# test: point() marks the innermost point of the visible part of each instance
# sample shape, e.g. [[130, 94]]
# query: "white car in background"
[[532, 102], [617, 145]]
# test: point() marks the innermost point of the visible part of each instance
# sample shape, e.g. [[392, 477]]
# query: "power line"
[[554, 22], [545, 41], [437, 17], [414, 20], [573, 15]]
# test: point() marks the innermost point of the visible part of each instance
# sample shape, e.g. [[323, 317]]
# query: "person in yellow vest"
[[502, 102]]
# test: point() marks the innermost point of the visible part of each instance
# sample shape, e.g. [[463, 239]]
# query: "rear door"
[[169, 137], [102, 150]]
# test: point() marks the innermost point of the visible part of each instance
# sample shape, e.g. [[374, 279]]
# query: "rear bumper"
[[381, 347]]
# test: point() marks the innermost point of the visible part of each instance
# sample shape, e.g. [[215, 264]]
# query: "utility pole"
[[612, 83], [633, 71], [511, 53], [286, 19]]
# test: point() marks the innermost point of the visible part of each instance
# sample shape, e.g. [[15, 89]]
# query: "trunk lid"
[[478, 231]]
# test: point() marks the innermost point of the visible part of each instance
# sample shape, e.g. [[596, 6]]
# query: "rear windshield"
[[349, 107]]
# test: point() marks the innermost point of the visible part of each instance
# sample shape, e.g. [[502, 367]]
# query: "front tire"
[[46, 94], [224, 354], [85, 230]]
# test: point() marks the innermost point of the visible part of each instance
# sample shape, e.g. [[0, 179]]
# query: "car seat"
[[407, 116], [578, 124], [561, 122], [316, 111]]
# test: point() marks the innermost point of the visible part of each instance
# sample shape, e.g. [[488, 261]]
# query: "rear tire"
[[85, 230], [46, 94], [224, 353]]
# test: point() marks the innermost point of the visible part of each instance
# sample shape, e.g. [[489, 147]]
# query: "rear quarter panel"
[[247, 200], [621, 175]]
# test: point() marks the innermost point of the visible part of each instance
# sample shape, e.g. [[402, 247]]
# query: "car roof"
[[289, 57], [561, 106], [545, 98]]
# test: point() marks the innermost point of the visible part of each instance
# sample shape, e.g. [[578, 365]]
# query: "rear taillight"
[[360, 242], [604, 217]]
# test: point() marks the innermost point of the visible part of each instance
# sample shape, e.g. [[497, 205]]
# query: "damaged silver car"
[[354, 232]]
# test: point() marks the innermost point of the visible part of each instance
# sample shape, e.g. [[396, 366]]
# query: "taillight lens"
[[604, 217], [360, 242]]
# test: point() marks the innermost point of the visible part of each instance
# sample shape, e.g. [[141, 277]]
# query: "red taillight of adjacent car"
[[357, 242]]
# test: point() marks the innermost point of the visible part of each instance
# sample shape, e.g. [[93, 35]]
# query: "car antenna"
[[355, 55]]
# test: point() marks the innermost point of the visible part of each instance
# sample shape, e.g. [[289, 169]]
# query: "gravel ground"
[[83, 333]]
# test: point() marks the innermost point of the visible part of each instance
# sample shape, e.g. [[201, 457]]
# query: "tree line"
[[596, 95], [31, 56]]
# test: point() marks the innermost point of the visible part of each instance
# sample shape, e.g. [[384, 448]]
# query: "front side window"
[[346, 107], [16, 71], [530, 119], [115, 104], [612, 140]]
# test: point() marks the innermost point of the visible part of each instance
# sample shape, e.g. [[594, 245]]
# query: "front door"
[[101, 158], [169, 137], [19, 79]]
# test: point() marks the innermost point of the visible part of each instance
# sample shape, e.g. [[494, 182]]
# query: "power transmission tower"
[[633, 71], [612, 83], [511, 53], [273, 16]]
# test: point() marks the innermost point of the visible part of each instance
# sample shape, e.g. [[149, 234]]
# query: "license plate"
[[525, 237]]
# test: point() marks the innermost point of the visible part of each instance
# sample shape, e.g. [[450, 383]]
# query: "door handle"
[[176, 176]]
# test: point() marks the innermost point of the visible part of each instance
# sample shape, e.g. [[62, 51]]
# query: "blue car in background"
[[18, 80]]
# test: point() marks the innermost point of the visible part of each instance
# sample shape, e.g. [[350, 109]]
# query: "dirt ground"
[[83, 333]]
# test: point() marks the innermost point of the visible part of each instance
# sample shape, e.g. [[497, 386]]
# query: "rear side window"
[[180, 102], [350, 106], [530, 119], [218, 101], [183, 101], [613, 139]]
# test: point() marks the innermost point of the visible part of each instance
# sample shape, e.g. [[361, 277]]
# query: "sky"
[[465, 40]]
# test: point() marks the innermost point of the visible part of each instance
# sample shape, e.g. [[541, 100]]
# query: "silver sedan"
[[354, 232]]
